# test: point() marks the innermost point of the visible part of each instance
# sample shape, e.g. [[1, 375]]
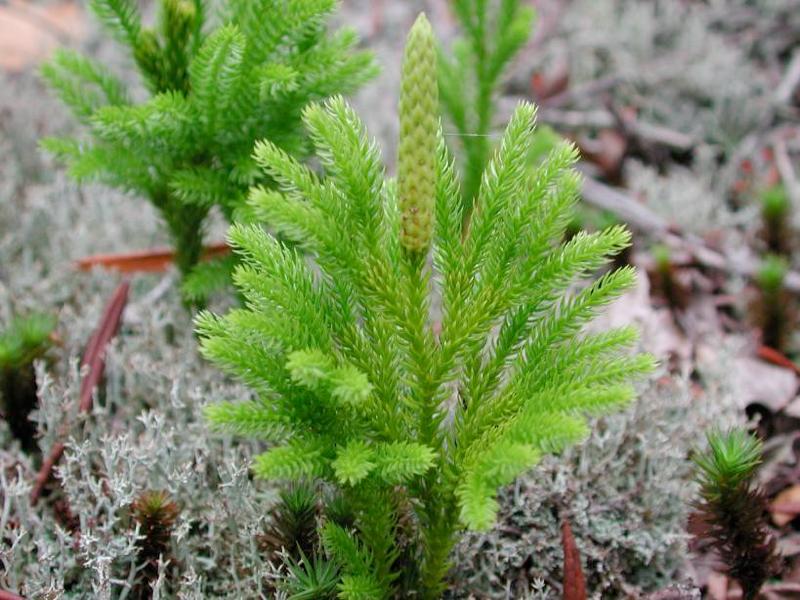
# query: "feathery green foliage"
[[494, 31], [733, 508], [188, 147], [416, 425], [22, 342]]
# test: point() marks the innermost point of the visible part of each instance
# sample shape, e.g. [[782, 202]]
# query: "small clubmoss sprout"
[[733, 508], [776, 214], [293, 522], [23, 341], [155, 514], [773, 309]]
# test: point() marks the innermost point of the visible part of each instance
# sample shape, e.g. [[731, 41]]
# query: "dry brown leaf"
[[546, 84], [606, 151], [759, 382], [786, 506]]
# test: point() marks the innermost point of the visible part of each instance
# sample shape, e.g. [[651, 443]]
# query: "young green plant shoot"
[[22, 342], [773, 308], [188, 146], [155, 514], [776, 210], [732, 508], [410, 364]]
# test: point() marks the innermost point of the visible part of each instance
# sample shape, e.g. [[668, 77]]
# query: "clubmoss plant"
[[188, 147], [776, 217], [416, 415], [733, 509], [772, 309], [493, 33], [22, 342], [293, 527], [155, 514]]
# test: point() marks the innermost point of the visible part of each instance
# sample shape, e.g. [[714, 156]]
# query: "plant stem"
[[185, 225], [439, 539]]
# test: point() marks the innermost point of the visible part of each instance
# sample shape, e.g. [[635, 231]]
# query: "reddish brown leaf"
[[554, 81], [145, 261], [9, 596], [94, 362], [574, 582], [786, 506], [771, 355], [607, 151]]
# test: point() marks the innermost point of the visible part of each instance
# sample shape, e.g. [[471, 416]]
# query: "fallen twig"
[[589, 89], [94, 363], [790, 81], [647, 133], [642, 218], [145, 261], [788, 175], [574, 582], [771, 355]]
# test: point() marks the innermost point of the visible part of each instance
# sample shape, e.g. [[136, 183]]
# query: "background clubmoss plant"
[[416, 429], [293, 522], [733, 508], [470, 76], [187, 148], [23, 341], [776, 210], [773, 308]]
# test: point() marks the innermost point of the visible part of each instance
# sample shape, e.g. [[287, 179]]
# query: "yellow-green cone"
[[416, 161]]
